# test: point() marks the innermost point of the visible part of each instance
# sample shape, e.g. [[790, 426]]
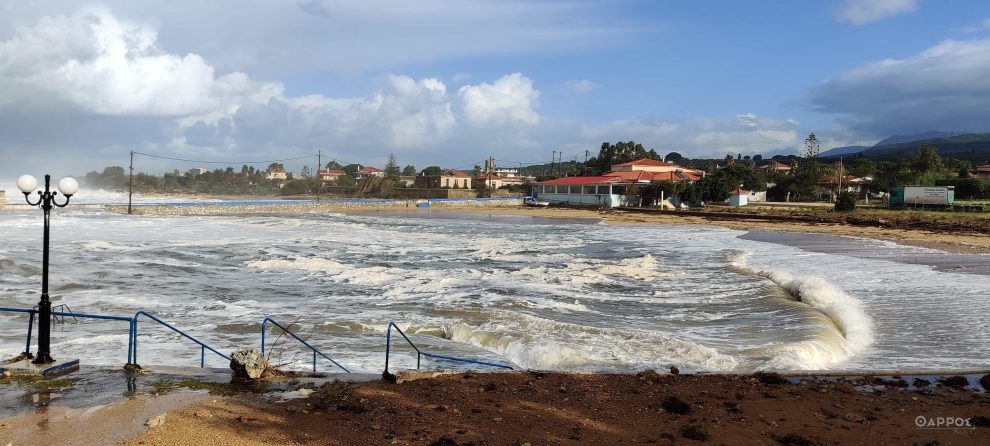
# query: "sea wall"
[[295, 207]]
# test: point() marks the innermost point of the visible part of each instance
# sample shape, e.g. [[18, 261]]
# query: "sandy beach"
[[949, 241], [535, 408]]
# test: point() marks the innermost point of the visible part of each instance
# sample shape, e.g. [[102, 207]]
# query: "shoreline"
[[956, 243], [512, 408]]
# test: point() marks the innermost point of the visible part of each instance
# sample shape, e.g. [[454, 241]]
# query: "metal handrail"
[[202, 345], [32, 312], [286, 331], [420, 353]]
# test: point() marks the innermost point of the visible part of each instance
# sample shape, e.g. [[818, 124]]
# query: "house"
[[407, 180], [330, 174], [448, 178], [775, 167], [598, 191], [277, 174], [654, 166], [610, 189], [739, 197], [982, 172], [495, 181], [507, 173], [368, 171]]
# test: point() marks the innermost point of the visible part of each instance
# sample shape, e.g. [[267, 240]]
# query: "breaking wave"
[[846, 328]]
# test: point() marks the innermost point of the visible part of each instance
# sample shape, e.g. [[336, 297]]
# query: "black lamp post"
[[68, 186]]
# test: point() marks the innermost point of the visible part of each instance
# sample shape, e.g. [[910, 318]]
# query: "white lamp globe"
[[27, 183], [68, 186]]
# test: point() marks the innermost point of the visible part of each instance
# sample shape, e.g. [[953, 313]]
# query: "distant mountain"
[[931, 134], [974, 147], [847, 150]]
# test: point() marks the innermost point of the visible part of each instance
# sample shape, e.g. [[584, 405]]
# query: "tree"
[[305, 173], [812, 147], [432, 171], [273, 167], [409, 170], [392, 167], [352, 169], [334, 165], [674, 157]]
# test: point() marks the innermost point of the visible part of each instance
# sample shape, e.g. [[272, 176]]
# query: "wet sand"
[[578, 409]]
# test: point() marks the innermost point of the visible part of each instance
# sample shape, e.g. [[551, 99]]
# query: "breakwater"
[[302, 207]]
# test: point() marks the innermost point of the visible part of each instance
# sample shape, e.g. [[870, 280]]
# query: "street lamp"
[[68, 186]]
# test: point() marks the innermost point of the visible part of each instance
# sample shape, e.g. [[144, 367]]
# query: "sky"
[[452, 82]]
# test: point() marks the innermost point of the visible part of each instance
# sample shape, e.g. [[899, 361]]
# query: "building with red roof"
[[611, 189]]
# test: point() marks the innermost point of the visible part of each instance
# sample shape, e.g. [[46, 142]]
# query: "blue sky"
[[450, 82]]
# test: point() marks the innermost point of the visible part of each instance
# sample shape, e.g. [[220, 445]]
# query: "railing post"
[[130, 341], [314, 360], [27, 347], [418, 356], [388, 344], [135, 337], [263, 336], [202, 355]]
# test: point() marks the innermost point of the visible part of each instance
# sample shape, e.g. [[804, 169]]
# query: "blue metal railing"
[[286, 331], [32, 312], [202, 346], [420, 353]]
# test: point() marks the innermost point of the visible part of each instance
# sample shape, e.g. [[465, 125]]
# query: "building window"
[[604, 190], [589, 190], [575, 190], [619, 190]]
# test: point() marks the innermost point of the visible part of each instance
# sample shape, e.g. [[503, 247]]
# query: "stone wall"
[[290, 207]]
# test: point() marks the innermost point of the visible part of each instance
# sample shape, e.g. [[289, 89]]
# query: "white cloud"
[[859, 12], [507, 101], [982, 26], [943, 87], [580, 86], [100, 64], [109, 85]]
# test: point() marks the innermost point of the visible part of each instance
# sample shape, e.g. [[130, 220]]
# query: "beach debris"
[[695, 432], [769, 378], [155, 421], [674, 370], [957, 382], [336, 395], [921, 383], [649, 376], [203, 414], [985, 382], [794, 440], [675, 405], [132, 368], [7, 374], [249, 363]]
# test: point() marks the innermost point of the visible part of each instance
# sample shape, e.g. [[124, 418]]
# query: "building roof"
[[776, 165], [640, 176], [454, 173], [582, 180], [369, 169], [983, 168], [739, 191], [332, 172], [646, 162]]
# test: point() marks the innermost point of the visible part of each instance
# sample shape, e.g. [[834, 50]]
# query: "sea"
[[527, 292]]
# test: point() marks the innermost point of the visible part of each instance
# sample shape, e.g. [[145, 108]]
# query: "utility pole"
[[585, 163], [553, 161], [319, 162], [130, 184]]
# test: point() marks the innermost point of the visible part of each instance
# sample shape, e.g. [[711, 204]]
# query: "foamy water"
[[563, 296]]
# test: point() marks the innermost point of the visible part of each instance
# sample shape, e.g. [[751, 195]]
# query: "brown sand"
[[956, 242], [578, 409]]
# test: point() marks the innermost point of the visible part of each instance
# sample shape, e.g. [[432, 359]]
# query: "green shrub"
[[846, 202]]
